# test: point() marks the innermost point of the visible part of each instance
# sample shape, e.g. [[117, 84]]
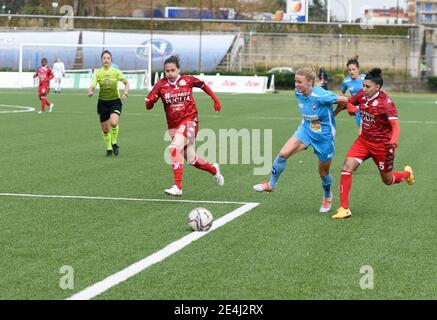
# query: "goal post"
[[135, 59]]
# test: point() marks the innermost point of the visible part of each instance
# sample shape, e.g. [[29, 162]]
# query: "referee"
[[109, 105]]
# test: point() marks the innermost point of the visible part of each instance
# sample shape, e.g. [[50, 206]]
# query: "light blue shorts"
[[324, 149]]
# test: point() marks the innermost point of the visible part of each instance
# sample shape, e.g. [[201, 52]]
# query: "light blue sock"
[[326, 185], [277, 168]]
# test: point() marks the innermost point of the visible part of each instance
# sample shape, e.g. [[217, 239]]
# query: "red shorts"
[[188, 127], [43, 90], [382, 155]]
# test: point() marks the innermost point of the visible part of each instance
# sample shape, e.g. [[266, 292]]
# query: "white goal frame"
[[148, 73]]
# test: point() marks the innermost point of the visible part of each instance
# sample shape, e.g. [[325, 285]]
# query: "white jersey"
[[58, 69]]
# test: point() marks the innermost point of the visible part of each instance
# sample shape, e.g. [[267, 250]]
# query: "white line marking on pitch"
[[249, 117], [29, 195], [137, 267], [23, 108]]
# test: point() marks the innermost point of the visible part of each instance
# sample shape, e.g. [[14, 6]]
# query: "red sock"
[[202, 164], [398, 177], [177, 165], [47, 102], [43, 104], [345, 188]]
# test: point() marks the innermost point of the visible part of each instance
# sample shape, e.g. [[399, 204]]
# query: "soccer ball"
[[200, 219]]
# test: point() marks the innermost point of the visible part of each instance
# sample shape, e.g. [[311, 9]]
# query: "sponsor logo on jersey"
[[368, 119], [177, 98], [310, 117]]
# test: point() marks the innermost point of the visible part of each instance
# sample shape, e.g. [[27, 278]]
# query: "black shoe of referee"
[[115, 148], [109, 153]]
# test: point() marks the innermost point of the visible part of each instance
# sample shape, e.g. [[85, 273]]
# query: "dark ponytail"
[[375, 76], [353, 60], [108, 52], [173, 59]]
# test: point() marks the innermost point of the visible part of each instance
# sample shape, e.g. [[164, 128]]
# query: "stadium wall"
[[328, 50], [266, 44]]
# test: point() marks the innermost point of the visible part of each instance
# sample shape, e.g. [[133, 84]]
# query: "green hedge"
[[432, 82], [207, 25]]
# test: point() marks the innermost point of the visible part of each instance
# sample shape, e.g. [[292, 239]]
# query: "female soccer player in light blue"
[[317, 129], [353, 83]]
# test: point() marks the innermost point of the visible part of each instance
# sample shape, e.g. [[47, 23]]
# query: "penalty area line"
[[30, 195], [21, 108], [130, 271]]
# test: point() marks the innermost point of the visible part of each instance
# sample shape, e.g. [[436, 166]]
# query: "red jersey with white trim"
[[375, 115], [177, 98], [44, 75]]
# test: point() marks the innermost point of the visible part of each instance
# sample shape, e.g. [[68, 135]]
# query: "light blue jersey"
[[318, 125], [353, 86]]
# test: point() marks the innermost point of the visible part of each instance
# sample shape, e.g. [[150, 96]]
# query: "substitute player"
[[109, 105], [44, 75], [353, 83], [317, 129], [378, 139], [59, 73], [176, 92]]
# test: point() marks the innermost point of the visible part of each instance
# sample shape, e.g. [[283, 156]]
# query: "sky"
[[358, 5]]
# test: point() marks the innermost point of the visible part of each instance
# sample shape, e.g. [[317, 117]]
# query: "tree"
[[317, 10]]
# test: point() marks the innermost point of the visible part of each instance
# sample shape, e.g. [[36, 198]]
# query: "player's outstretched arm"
[[341, 104], [90, 91], [152, 97], [208, 91], [126, 90], [151, 100], [93, 85], [396, 131]]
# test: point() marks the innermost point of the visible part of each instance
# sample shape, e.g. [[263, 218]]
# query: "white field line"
[[247, 117], [130, 271], [21, 108], [29, 195]]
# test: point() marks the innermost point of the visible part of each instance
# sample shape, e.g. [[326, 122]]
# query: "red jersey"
[[44, 75], [177, 98], [375, 114]]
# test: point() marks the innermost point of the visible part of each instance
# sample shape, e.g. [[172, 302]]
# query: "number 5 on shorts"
[[381, 165]]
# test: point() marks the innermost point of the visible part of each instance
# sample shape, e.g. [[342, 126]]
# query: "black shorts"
[[105, 108]]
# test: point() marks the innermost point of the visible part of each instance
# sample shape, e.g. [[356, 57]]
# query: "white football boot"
[[218, 176], [326, 204], [173, 191]]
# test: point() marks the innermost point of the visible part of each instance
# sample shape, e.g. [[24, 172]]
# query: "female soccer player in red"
[[378, 139], [176, 92], [44, 75]]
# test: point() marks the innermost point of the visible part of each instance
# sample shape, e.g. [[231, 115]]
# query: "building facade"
[[386, 16], [422, 11]]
